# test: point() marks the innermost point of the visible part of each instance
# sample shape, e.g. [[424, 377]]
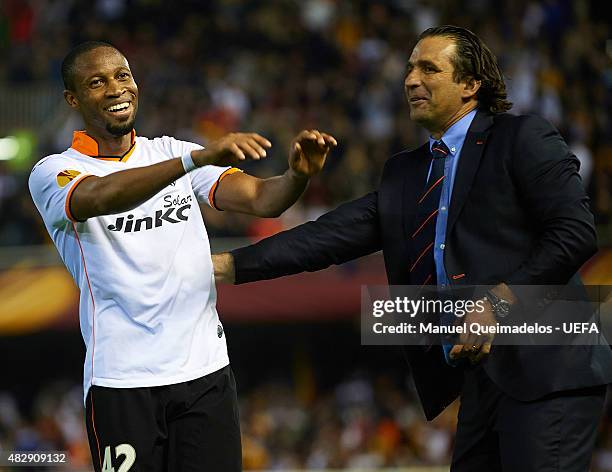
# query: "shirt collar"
[[455, 135], [87, 145]]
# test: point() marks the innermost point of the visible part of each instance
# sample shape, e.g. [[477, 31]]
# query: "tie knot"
[[439, 150]]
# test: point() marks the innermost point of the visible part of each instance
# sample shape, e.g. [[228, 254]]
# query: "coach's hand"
[[231, 149], [471, 345], [308, 152], [223, 265]]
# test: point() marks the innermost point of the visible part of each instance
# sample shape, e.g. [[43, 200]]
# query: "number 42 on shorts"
[[121, 450]]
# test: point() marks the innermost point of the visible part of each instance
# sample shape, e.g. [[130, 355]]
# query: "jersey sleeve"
[[52, 183], [205, 180]]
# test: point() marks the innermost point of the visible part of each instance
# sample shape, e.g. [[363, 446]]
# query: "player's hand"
[[471, 345], [308, 152], [231, 149], [223, 265]]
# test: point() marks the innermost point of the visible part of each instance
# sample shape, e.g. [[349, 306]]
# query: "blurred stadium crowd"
[[363, 423], [275, 67], [360, 424]]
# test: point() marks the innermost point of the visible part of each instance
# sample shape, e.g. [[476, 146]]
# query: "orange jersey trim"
[[84, 143], [77, 181], [87, 145], [213, 189]]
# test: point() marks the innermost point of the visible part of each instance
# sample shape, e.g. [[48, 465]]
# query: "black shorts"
[[190, 426]]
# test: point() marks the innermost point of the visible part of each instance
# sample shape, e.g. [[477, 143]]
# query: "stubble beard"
[[121, 129]]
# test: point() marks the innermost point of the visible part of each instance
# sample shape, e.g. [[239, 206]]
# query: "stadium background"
[[311, 397]]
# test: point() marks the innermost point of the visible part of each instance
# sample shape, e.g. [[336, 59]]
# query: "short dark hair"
[[68, 64], [474, 60]]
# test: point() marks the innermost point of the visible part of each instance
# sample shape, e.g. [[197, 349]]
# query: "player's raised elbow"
[[268, 212]]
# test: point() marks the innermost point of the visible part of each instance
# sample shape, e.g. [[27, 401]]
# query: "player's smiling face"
[[105, 92]]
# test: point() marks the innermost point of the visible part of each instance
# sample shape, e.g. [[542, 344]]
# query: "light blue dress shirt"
[[454, 137]]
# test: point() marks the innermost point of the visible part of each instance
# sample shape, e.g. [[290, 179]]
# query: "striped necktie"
[[422, 265]]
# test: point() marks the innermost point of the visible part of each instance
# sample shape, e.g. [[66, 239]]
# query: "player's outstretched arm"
[[350, 231], [126, 189], [270, 197]]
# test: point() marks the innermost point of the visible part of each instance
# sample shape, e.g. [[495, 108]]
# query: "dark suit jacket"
[[518, 214]]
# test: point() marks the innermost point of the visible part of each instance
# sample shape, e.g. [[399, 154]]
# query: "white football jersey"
[[147, 292]]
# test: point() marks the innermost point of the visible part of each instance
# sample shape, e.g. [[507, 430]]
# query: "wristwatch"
[[501, 307]]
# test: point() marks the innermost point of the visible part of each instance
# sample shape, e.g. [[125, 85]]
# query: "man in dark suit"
[[492, 199]]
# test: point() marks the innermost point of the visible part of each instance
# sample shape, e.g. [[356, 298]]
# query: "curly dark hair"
[[474, 60]]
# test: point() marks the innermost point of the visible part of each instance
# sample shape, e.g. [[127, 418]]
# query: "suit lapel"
[[416, 166], [469, 161]]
